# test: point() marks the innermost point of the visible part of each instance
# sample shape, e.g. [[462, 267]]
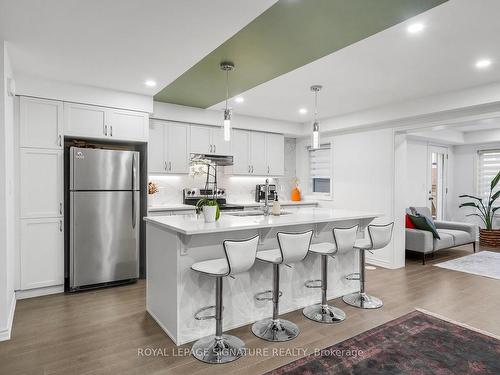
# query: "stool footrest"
[[262, 295], [313, 284], [352, 276], [198, 314]]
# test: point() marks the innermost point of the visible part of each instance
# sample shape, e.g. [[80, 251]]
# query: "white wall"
[[7, 209], [416, 177]]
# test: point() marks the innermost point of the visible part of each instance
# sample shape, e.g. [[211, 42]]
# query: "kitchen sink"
[[254, 213]]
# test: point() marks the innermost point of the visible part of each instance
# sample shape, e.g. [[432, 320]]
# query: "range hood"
[[218, 160]]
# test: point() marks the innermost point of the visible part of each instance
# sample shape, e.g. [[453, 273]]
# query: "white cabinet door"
[[176, 147], [200, 139], [42, 253], [82, 120], [275, 154], [220, 146], [41, 183], [156, 156], [127, 125], [41, 123], [241, 151], [258, 153]]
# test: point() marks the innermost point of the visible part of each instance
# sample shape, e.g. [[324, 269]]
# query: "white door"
[[241, 152], [275, 154], [200, 139], [176, 147], [437, 165], [41, 183], [82, 120], [42, 253], [220, 146], [41, 123], [258, 153], [156, 157], [127, 125]]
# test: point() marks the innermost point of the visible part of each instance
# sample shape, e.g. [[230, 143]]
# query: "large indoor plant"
[[486, 211]]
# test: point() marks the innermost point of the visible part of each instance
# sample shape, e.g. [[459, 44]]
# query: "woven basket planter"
[[489, 238]]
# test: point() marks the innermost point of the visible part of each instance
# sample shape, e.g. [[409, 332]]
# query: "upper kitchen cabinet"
[[168, 147], [81, 120], [41, 123], [258, 153], [208, 140]]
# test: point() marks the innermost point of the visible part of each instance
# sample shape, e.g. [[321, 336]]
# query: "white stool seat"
[[217, 267], [271, 256], [363, 243], [323, 248]]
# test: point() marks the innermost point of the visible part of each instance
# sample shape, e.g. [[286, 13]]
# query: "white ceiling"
[[390, 66], [118, 44]]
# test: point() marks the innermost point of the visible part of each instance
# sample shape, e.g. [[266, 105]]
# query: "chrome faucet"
[[266, 200]]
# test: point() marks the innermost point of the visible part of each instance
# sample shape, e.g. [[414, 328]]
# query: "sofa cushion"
[[424, 223], [460, 237], [446, 240], [408, 223]]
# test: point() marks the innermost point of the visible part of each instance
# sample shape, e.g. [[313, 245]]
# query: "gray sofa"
[[452, 234]]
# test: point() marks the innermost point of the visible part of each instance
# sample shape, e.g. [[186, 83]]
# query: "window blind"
[[489, 165], [320, 169]]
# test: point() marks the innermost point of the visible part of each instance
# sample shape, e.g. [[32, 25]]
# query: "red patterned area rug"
[[415, 343]]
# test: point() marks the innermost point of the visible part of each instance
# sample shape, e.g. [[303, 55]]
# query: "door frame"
[[434, 148]]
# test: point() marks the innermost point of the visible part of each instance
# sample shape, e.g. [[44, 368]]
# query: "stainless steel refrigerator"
[[104, 198]]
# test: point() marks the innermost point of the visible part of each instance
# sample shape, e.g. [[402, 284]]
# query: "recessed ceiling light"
[[239, 99], [483, 63], [303, 111], [415, 28], [150, 83]]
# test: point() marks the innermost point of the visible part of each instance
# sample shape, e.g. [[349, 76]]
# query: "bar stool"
[[240, 257], [380, 236], [343, 239], [293, 248]]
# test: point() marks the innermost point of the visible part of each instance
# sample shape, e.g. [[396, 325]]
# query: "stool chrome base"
[[221, 349], [324, 313], [275, 330], [362, 300]]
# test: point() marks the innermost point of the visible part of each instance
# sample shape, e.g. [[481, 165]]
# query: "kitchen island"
[[175, 292]]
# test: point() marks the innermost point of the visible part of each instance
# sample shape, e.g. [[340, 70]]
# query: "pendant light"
[[227, 67], [315, 134]]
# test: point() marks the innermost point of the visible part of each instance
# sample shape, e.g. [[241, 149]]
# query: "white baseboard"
[[380, 263], [5, 333], [30, 293]]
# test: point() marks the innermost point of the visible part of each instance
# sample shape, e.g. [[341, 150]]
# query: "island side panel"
[[240, 307], [162, 250]]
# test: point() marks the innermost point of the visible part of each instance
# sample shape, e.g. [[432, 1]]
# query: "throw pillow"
[[424, 223], [409, 224]]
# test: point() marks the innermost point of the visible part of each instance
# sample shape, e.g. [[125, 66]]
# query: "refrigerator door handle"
[[133, 190]]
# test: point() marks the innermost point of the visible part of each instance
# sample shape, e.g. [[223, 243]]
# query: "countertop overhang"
[[193, 224]]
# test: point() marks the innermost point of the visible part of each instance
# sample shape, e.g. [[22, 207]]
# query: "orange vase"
[[296, 194]]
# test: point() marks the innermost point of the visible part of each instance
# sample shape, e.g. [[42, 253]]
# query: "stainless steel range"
[[192, 195]]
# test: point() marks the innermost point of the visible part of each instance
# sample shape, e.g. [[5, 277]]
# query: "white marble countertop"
[[194, 224], [186, 207]]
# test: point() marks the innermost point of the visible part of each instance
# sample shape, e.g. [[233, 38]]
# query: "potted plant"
[[486, 212], [210, 209]]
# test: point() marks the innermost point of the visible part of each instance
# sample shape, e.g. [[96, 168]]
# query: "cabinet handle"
[[252, 168], [215, 148], [106, 130], [60, 140], [268, 169], [60, 208], [165, 165], [60, 226], [249, 169], [169, 165]]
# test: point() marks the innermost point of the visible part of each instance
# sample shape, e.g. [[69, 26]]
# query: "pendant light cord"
[[227, 86], [315, 106]]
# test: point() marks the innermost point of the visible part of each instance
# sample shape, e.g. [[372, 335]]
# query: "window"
[[320, 170], [488, 167]]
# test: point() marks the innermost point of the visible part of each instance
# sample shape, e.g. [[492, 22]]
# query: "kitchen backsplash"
[[238, 188]]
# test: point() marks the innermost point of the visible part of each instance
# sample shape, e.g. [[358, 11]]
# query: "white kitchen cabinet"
[[275, 154], [168, 147], [241, 152], [42, 253], [258, 153], [81, 120], [41, 123], [208, 140], [41, 183]]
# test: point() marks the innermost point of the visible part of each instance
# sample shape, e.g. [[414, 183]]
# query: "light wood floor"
[[100, 332]]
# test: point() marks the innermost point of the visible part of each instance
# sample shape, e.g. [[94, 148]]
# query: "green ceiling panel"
[[288, 35]]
